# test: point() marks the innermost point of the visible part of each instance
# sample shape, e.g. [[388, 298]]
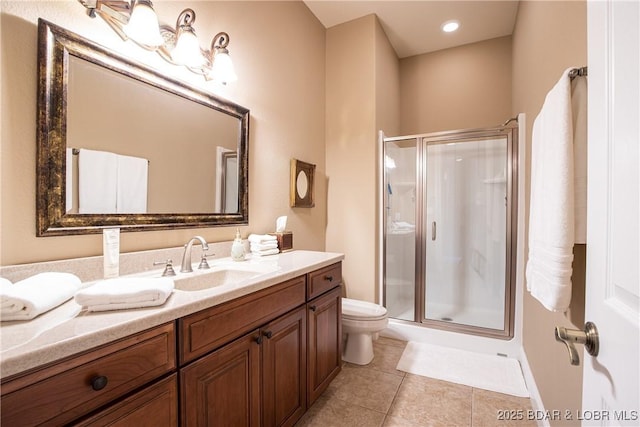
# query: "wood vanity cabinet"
[[260, 377], [67, 390], [258, 360], [264, 358], [325, 328], [325, 342]]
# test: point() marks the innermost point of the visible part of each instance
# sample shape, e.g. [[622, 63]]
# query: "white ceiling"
[[413, 27]]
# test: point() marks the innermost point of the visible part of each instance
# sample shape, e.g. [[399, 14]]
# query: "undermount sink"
[[220, 274], [212, 278]]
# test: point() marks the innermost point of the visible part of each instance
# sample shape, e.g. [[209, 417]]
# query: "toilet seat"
[[362, 310]]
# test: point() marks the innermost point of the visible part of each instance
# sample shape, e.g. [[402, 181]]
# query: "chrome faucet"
[[185, 267]]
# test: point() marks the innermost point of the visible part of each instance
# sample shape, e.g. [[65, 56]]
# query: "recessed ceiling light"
[[450, 26]]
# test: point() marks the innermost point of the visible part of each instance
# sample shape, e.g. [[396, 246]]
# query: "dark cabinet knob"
[[268, 334], [329, 278], [313, 308], [258, 339], [99, 382]]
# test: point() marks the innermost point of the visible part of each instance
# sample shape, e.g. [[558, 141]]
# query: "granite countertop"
[[67, 329]]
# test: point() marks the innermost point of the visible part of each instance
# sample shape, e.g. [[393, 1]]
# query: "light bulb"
[[450, 26], [187, 51], [222, 69], [143, 25]]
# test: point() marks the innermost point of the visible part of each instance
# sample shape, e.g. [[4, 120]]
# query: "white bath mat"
[[494, 373]]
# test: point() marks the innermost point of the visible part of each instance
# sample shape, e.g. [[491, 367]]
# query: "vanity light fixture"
[[136, 20]]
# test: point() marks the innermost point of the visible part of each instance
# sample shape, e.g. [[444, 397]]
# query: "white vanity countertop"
[[67, 329]]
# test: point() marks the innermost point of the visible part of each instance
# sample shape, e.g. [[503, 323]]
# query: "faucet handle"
[[204, 265], [168, 268]]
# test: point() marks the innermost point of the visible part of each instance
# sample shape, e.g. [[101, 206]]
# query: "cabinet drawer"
[[323, 280], [71, 388], [209, 329], [156, 406]]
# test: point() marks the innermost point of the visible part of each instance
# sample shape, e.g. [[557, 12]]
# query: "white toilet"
[[361, 322]]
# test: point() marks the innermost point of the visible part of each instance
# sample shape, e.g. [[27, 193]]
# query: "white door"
[[611, 387]]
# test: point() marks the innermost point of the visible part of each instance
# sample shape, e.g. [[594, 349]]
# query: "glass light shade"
[[187, 50], [143, 25], [222, 69]]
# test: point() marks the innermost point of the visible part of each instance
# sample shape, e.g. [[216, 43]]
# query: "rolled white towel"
[[263, 246], [35, 295], [266, 252], [125, 293], [262, 238]]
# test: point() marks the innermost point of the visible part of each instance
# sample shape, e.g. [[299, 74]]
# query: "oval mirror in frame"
[[182, 191]]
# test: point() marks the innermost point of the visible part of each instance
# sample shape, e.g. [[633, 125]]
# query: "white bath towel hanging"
[[552, 203], [131, 192], [69, 180], [579, 113], [97, 177]]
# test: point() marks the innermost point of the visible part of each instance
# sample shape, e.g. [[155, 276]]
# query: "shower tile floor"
[[380, 395]]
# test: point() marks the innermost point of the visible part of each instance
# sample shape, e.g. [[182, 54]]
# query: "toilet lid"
[[356, 309]]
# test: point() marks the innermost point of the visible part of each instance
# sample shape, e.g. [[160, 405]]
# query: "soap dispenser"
[[237, 248]]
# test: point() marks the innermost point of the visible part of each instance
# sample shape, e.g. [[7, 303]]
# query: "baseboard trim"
[[536, 399]]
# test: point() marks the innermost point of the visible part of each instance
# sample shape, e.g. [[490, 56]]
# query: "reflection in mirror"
[[132, 148], [301, 184], [178, 140]]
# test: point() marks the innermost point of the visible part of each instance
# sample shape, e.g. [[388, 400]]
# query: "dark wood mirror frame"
[[55, 44]]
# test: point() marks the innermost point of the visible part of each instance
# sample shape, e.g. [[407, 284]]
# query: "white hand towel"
[[266, 252], [97, 179], [551, 216], [262, 238], [35, 295], [263, 246], [125, 293], [131, 193]]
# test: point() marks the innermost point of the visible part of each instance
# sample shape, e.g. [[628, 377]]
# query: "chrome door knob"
[[588, 337]]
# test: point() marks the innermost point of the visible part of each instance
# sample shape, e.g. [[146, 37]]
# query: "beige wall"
[[548, 38], [278, 50], [459, 88], [362, 97]]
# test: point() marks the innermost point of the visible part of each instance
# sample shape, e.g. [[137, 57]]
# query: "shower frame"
[[510, 130]]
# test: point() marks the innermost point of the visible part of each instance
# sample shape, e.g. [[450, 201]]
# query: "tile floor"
[[380, 395]]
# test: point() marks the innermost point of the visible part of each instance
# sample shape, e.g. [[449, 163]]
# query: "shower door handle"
[[433, 230]]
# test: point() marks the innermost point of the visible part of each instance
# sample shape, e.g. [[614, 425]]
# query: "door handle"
[[589, 337], [433, 230]]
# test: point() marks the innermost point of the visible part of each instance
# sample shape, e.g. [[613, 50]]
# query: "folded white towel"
[[262, 238], [35, 295], [551, 217], [263, 246], [125, 293], [266, 252]]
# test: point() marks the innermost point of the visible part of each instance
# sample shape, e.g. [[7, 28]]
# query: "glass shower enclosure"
[[449, 217]]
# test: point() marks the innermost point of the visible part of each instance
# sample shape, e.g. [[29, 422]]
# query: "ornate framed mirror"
[[193, 146]]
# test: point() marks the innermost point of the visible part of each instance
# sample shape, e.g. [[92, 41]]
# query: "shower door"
[[463, 245]]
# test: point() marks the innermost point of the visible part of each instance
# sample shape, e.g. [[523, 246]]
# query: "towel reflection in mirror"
[[110, 183]]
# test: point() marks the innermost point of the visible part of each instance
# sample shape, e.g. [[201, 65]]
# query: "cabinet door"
[[325, 342], [156, 406], [223, 388], [284, 369]]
